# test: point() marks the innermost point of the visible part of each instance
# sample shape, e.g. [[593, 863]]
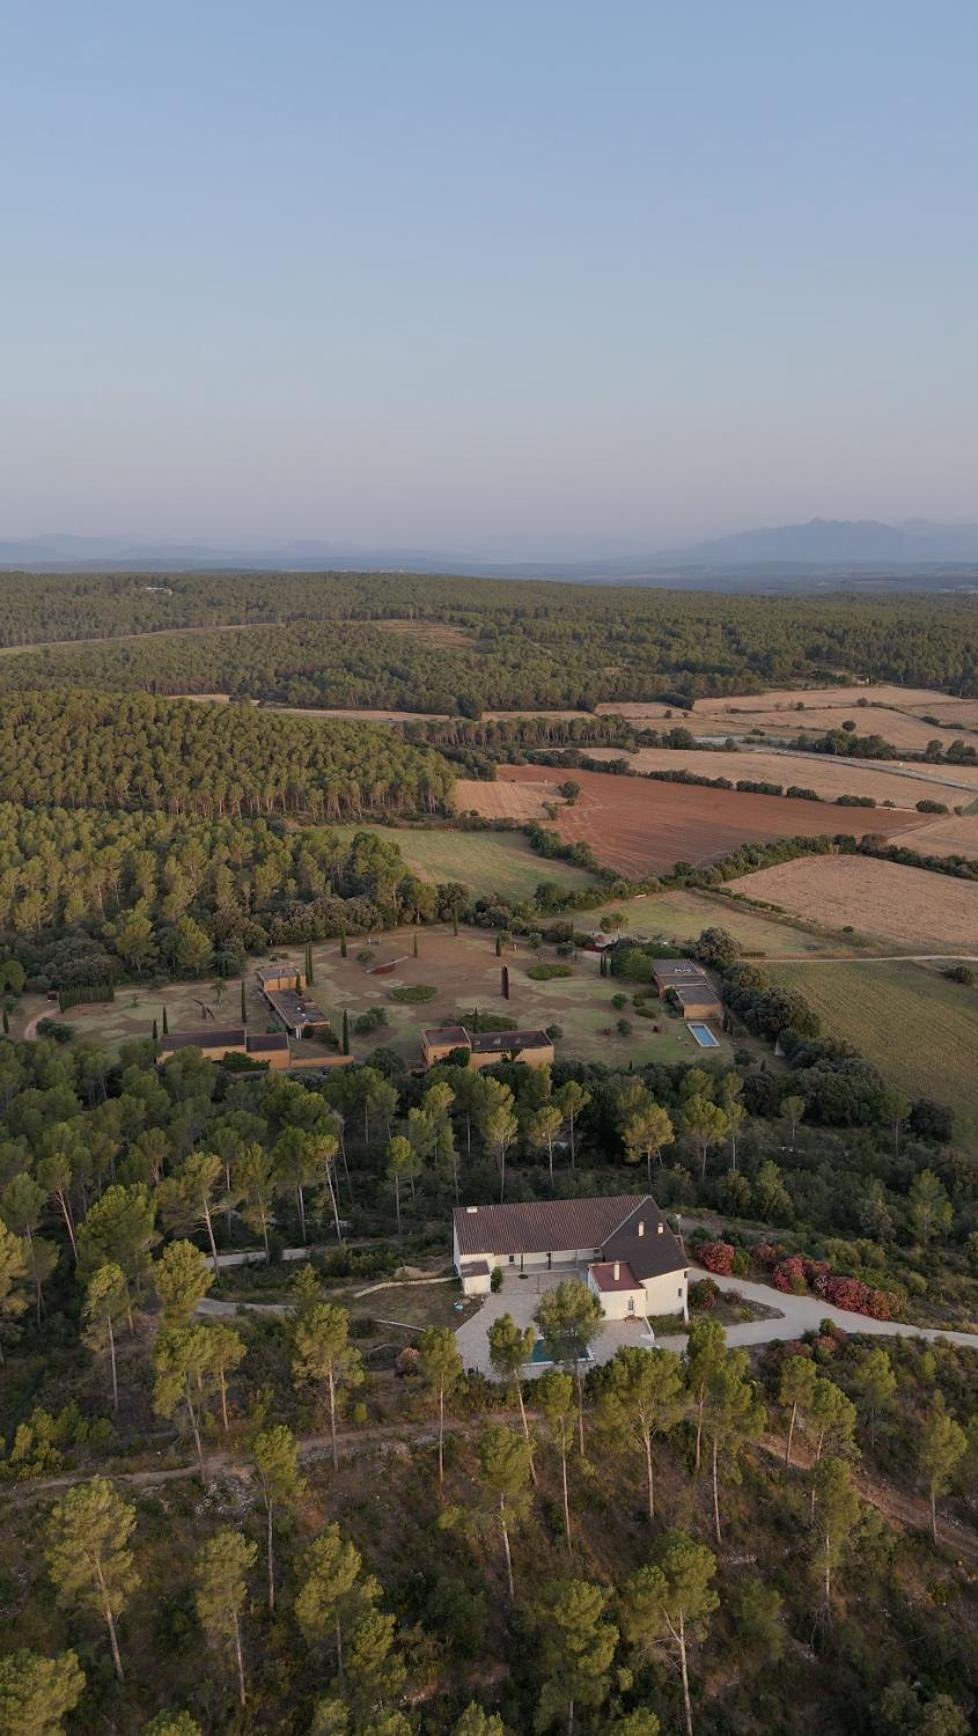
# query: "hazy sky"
[[529, 277]]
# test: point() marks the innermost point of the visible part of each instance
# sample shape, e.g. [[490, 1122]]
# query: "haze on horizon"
[[523, 281]]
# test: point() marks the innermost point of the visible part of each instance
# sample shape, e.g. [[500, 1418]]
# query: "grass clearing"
[[483, 861], [920, 1030]]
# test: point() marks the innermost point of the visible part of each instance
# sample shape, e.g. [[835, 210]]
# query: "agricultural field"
[[953, 835], [828, 775], [887, 693], [907, 734], [504, 801], [640, 827], [680, 918], [483, 861], [918, 1029], [879, 900]]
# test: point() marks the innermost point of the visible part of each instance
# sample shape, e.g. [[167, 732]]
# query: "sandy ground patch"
[[908, 905]]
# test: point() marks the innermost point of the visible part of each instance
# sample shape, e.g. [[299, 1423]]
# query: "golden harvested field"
[[884, 693], [956, 713], [639, 709], [909, 906], [902, 731], [824, 773], [503, 801], [955, 835]]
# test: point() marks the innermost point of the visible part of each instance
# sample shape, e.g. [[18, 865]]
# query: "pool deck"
[[520, 1297]]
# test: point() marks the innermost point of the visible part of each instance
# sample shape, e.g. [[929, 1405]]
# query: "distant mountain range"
[[823, 551]]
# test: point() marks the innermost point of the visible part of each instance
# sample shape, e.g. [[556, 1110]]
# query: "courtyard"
[[520, 1296]]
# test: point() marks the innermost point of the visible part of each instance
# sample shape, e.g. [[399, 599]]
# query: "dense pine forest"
[[271, 1496], [313, 639], [247, 1520]]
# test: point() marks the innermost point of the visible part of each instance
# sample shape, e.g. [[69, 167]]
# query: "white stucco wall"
[[668, 1294]]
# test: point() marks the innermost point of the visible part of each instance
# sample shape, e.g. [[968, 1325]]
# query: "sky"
[[536, 278]]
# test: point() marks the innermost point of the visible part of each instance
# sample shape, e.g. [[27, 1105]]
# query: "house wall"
[[707, 1008], [478, 1285], [667, 1294], [614, 1303]]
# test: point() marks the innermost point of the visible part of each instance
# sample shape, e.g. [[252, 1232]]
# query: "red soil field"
[[640, 826]]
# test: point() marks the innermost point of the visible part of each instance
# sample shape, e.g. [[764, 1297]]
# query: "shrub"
[[703, 1295], [717, 1257], [413, 994], [543, 973], [496, 1279], [369, 1021]]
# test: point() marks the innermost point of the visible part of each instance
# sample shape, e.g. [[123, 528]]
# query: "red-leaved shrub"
[[717, 1257]]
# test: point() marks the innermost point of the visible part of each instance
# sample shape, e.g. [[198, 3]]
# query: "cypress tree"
[[6, 1022], [342, 943], [244, 1008], [346, 1032], [499, 946], [310, 972], [156, 1034], [455, 920], [166, 1024], [415, 943]]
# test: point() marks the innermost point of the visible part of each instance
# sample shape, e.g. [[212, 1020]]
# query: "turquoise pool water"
[[541, 1354], [704, 1037]]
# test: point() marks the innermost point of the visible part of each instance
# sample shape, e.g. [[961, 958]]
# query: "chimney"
[[641, 1228], [617, 1271]]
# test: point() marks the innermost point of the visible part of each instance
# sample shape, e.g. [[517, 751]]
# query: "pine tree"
[[440, 1366], [222, 1587], [36, 1694], [276, 1457], [324, 1357], [88, 1554]]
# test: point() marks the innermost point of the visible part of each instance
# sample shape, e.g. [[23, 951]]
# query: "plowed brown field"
[[641, 827]]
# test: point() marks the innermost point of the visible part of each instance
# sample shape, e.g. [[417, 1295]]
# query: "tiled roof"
[[543, 1226], [603, 1273], [645, 1240], [456, 1035]]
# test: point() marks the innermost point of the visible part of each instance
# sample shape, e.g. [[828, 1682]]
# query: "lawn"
[[484, 861], [920, 1030]]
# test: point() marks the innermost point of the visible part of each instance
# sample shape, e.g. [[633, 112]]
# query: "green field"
[[680, 917], [484, 861], [918, 1029]]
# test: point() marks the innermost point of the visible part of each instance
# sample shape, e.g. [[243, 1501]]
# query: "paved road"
[[799, 1314]]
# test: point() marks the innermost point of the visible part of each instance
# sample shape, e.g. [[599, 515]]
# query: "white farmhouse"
[[635, 1266]]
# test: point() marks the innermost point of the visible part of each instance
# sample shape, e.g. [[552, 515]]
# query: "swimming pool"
[[704, 1037], [541, 1355]]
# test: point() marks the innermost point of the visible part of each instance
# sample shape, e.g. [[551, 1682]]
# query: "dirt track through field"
[[640, 826]]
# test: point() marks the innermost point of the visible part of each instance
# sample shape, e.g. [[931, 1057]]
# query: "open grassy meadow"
[[920, 1030], [484, 861]]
